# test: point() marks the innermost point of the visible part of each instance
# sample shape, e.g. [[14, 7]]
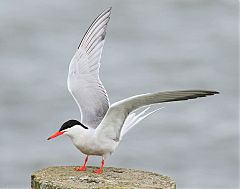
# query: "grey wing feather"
[[83, 78], [119, 111]]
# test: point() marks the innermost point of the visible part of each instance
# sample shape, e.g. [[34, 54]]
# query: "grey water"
[[150, 46]]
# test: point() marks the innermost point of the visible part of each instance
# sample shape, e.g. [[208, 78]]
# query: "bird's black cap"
[[71, 123]]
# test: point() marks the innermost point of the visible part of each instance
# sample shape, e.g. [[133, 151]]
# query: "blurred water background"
[[150, 46]]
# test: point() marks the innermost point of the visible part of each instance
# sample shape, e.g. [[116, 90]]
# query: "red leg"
[[100, 170], [83, 168]]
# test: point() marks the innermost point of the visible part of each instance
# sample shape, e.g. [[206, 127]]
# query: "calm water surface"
[[150, 46]]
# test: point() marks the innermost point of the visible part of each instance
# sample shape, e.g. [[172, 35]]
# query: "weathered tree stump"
[[68, 178]]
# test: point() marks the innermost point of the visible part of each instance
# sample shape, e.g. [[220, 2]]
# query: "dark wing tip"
[[203, 93], [106, 11], [215, 92], [192, 94], [206, 92], [210, 92]]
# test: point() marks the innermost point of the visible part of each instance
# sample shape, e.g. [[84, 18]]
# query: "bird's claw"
[[98, 171], [83, 168]]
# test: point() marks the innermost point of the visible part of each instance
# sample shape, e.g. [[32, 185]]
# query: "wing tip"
[[211, 92], [109, 9], [106, 11], [192, 94], [206, 92]]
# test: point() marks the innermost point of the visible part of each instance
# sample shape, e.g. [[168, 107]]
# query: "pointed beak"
[[58, 133]]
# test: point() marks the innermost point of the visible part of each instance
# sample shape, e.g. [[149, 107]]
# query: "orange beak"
[[58, 133]]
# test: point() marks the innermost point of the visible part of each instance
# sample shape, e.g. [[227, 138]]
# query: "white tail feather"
[[134, 119]]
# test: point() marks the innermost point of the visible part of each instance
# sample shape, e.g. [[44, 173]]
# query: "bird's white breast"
[[89, 143]]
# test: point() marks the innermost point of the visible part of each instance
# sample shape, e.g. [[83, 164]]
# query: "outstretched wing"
[[113, 122], [83, 77]]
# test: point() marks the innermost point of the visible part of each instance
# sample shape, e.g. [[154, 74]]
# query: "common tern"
[[102, 126]]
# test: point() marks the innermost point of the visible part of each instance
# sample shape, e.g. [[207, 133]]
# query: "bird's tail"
[[134, 118]]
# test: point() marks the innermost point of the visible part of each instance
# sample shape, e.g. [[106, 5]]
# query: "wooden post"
[[68, 178]]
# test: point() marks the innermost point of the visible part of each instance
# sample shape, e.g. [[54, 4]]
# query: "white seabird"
[[102, 125]]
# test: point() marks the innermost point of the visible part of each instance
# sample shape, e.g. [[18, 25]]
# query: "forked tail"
[[134, 118]]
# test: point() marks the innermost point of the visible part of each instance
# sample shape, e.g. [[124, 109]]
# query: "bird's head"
[[70, 127]]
